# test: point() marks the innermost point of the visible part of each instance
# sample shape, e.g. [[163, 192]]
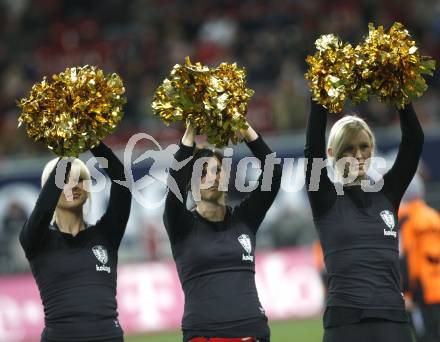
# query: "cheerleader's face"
[[211, 175], [73, 196], [359, 148]]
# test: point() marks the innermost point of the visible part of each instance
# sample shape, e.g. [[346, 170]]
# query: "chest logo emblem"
[[388, 217], [245, 242], [101, 254]]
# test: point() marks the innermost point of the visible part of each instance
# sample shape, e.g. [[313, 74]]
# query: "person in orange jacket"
[[420, 237], [318, 260]]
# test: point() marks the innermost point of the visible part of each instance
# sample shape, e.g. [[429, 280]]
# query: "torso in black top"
[[359, 230], [216, 260], [76, 275], [216, 266], [361, 251]]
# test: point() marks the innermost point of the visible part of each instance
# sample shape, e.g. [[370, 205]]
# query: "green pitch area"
[[288, 331]]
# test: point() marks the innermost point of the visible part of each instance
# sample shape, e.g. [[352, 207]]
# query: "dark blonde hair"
[[204, 152]]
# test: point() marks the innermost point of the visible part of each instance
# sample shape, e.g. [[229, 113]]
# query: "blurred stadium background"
[[141, 40]]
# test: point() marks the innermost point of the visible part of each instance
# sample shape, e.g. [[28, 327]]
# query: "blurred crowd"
[[142, 39]]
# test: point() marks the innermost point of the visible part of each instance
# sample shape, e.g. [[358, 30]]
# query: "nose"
[[75, 189], [215, 180]]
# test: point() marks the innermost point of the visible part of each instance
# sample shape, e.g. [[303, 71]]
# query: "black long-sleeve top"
[[216, 261], [76, 275], [359, 230]]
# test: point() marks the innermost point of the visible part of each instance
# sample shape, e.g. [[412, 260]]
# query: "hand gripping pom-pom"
[[214, 100]]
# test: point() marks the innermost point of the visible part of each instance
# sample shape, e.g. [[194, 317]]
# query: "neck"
[[357, 181], [69, 221], [211, 211]]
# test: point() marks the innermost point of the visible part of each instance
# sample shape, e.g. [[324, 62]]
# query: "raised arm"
[[176, 217], [114, 220], [397, 179], [321, 191], [36, 227], [254, 207]]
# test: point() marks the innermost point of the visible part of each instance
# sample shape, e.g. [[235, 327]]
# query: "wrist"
[[249, 134]]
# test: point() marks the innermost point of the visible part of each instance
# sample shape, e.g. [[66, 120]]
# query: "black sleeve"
[[253, 208], [36, 227], [177, 219], [322, 195], [397, 179], [114, 220], [404, 273]]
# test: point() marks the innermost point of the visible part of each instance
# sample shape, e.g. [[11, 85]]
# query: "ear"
[[330, 152]]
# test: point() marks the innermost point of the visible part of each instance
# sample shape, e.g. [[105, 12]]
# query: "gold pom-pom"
[[387, 65], [214, 100], [331, 73], [74, 112], [392, 65]]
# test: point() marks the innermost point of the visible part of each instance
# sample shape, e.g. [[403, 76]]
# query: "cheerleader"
[[213, 247], [359, 229], [74, 263]]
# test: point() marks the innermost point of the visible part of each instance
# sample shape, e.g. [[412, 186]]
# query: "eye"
[[348, 149]]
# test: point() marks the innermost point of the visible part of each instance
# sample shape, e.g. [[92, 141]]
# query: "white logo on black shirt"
[[101, 254], [245, 242], [388, 217]]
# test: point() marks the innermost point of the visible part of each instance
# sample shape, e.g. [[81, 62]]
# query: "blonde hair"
[[343, 132], [78, 168]]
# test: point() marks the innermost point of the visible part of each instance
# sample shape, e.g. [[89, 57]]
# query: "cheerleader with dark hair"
[[213, 247]]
